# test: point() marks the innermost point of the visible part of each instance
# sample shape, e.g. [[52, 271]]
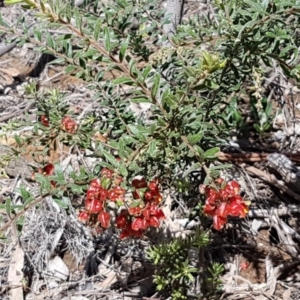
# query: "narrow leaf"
[[97, 29], [123, 80], [107, 39], [211, 153], [155, 86], [123, 49]]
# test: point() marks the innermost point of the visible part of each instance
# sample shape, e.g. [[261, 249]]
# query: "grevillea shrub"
[[193, 97]]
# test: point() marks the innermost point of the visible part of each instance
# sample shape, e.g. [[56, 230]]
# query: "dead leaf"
[[10, 71], [6, 79]]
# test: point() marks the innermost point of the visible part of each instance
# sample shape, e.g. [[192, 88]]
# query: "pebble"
[[58, 268], [7, 90]]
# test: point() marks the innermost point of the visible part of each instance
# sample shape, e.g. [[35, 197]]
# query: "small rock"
[[58, 269], [52, 284], [20, 89], [7, 90]]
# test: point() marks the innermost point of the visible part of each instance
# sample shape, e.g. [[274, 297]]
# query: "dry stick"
[[16, 113], [270, 179], [33, 203], [253, 156], [264, 213]]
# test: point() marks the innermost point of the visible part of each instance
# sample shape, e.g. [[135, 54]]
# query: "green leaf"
[[221, 167], [24, 193], [11, 2], [123, 80], [137, 133], [70, 69], [111, 159], [200, 152], [106, 165], [97, 28], [90, 53], [78, 19], [140, 99], [107, 39], [59, 177], [256, 7], [195, 138], [50, 41], [64, 202], [146, 72], [155, 87], [123, 171], [211, 153], [78, 189], [38, 35], [44, 182], [8, 207], [152, 149], [123, 49]]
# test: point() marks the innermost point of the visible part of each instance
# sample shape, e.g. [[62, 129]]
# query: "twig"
[[272, 180], [264, 213], [14, 113], [33, 203]]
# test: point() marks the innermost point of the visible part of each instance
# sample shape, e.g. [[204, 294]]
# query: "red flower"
[[69, 125], [139, 224], [223, 201], [93, 206], [104, 219], [148, 196], [153, 187], [237, 207], [108, 173], [154, 210], [96, 191], [139, 183], [128, 232], [121, 219], [83, 217], [117, 193], [44, 120], [154, 222], [48, 170], [103, 194], [219, 222], [135, 211], [94, 184]]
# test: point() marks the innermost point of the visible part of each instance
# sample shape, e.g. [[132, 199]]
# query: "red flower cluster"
[[135, 220], [222, 201], [47, 170], [69, 125], [44, 120], [98, 193]]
